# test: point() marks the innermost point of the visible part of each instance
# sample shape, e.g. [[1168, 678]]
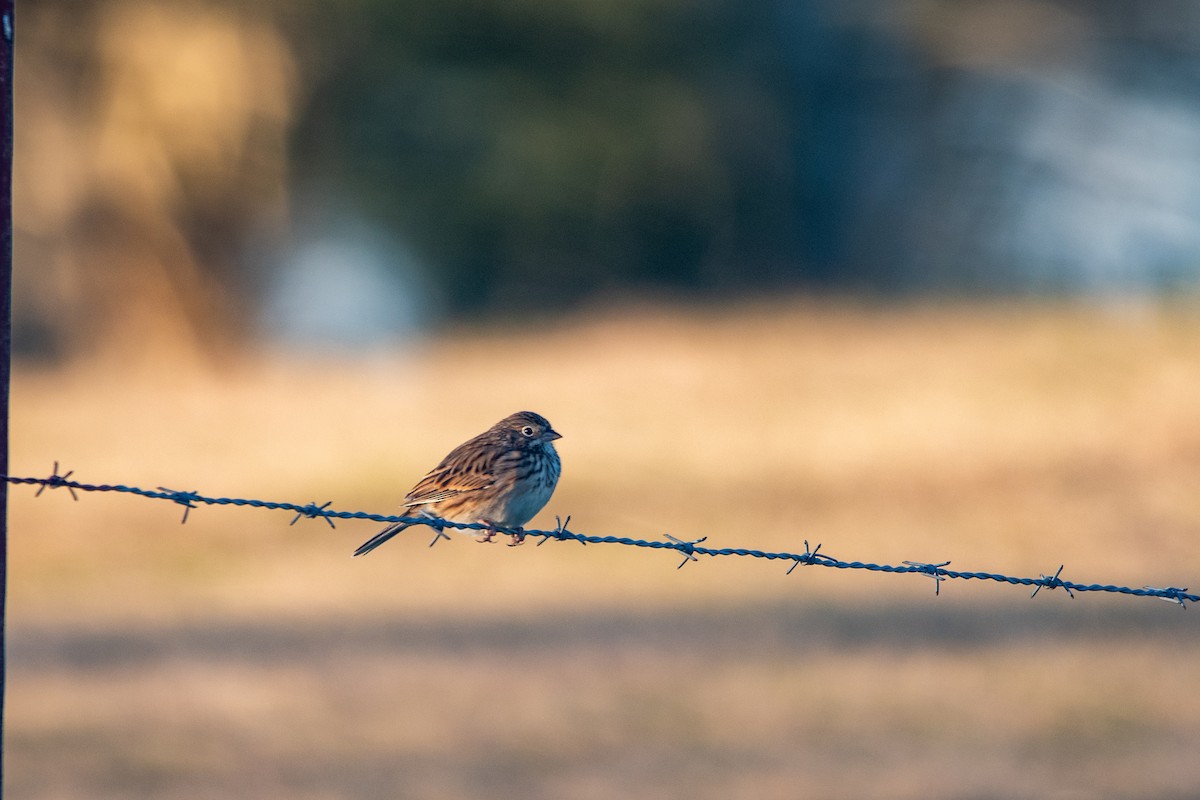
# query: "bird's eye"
[[527, 431]]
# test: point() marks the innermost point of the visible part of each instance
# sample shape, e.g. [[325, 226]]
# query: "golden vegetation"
[[238, 655], [150, 147]]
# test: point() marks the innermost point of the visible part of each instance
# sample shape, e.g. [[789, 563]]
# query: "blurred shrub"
[[150, 146]]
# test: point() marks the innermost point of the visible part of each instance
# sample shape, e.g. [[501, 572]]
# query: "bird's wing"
[[446, 482]]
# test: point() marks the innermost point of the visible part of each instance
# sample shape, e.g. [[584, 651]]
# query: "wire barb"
[[55, 481], [687, 548], [930, 569], [807, 557], [313, 510], [560, 532], [1053, 582], [439, 531], [185, 499], [1171, 594]]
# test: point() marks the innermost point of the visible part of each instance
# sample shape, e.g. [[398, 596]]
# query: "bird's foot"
[[518, 538]]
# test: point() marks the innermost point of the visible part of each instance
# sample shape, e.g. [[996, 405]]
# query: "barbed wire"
[[689, 549]]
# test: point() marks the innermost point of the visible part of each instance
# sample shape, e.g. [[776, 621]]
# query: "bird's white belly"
[[524, 505]]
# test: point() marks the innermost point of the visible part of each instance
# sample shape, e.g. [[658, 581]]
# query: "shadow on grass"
[[782, 628]]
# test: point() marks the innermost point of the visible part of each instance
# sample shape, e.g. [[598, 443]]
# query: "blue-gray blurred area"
[[537, 155]]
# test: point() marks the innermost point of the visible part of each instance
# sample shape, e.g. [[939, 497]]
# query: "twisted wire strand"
[[689, 549]]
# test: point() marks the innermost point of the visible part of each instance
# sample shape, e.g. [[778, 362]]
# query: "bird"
[[500, 478]]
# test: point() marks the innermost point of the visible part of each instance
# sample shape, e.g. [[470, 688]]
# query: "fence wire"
[[690, 550]]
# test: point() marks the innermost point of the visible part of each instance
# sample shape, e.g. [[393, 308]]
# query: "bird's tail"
[[380, 538]]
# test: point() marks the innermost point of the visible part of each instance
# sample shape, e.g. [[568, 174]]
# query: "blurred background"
[[913, 279]]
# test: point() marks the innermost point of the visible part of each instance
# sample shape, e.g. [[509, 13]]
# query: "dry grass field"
[[239, 657]]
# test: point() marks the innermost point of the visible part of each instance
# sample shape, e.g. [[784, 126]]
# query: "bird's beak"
[[550, 435]]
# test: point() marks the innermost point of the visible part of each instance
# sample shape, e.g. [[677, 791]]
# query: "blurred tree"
[[175, 156], [540, 151]]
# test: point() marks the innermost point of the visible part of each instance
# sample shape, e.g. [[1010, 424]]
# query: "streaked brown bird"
[[501, 478]]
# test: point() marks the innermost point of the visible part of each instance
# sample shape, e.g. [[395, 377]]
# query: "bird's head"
[[526, 427]]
